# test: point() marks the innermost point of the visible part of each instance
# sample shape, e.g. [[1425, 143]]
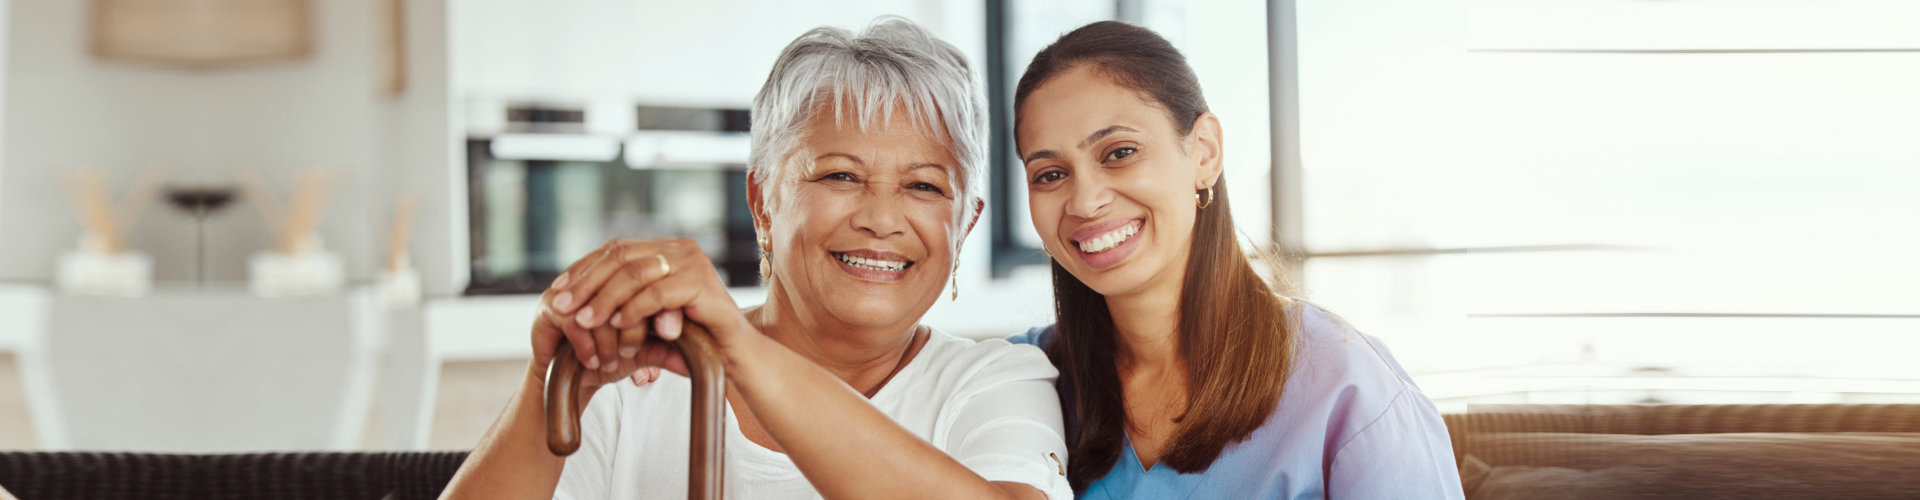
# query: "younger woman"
[[1183, 373]]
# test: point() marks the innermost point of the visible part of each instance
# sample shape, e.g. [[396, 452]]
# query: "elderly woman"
[[865, 164]]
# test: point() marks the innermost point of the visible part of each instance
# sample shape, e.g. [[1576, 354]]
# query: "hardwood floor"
[[472, 394]]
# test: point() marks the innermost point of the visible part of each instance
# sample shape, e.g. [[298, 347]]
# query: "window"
[[1607, 202]]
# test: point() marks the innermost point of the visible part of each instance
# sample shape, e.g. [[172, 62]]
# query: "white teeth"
[[874, 264], [1112, 239]]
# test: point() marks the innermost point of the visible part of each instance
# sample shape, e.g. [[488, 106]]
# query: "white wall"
[[6, 11], [687, 53], [425, 157], [67, 109]]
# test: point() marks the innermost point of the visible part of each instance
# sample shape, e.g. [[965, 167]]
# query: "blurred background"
[[243, 225]]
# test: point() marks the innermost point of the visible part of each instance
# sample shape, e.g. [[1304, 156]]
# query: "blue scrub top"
[[1350, 425]]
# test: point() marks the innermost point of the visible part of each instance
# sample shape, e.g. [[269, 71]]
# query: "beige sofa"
[[1689, 451]]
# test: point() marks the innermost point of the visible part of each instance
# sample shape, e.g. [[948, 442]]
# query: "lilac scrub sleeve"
[[1350, 425]]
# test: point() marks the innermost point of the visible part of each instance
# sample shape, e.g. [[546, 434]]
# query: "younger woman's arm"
[[1404, 453]]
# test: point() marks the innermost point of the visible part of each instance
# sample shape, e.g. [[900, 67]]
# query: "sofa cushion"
[[1854, 465]]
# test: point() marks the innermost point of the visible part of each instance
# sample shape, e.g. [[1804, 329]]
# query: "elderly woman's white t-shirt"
[[991, 405]]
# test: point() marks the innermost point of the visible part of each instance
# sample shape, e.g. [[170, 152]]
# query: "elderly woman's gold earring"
[[1198, 201], [766, 266]]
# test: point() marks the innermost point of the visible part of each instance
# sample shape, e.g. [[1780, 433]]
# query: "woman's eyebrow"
[[1040, 155], [944, 171], [1084, 143], [1098, 134], [855, 159]]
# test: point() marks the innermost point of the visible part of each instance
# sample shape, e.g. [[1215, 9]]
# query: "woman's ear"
[[979, 207], [1207, 149], [757, 205]]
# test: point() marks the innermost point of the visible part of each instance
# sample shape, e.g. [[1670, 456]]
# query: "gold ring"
[[664, 268]]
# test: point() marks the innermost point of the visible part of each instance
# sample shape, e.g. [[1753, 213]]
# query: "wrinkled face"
[[864, 225], [1110, 181]]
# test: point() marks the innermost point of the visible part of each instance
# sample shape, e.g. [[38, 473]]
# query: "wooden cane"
[[706, 465]]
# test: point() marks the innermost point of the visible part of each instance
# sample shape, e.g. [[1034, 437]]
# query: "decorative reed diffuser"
[[298, 264], [102, 265], [399, 283]]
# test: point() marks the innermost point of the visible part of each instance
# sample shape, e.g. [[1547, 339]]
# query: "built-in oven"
[[542, 193]]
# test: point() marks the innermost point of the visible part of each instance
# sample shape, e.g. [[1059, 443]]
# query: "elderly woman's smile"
[[874, 264]]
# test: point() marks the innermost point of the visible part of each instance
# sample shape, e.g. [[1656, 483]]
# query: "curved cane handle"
[[706, 465]]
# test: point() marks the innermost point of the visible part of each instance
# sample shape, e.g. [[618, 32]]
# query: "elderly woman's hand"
[[641, 362], [638, 356], [599, 304]]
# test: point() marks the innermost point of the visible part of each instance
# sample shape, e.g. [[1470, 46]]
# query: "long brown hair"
[[1233, 328]]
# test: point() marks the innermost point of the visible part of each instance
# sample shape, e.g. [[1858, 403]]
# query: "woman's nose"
[[880, 215], [1088, 197]]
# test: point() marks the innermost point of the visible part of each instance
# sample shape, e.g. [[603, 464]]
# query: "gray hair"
[[892, 62]]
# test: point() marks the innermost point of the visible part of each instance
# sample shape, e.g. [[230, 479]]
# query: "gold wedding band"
[[664, 268]]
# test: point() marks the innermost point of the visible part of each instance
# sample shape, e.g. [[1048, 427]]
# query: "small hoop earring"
[[1198, 202]]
